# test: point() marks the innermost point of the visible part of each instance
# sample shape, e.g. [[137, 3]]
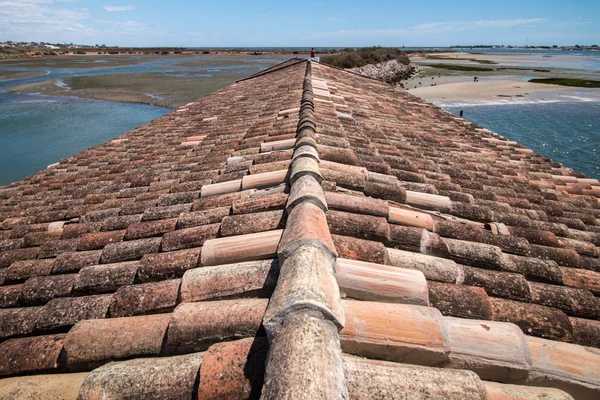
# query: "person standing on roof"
[[312, 53]]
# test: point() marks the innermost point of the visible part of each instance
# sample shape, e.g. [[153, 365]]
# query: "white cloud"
[[429, 30], [509, 23], [119, 8], [40, 20]]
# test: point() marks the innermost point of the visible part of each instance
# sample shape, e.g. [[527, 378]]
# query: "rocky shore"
[[392, 71]]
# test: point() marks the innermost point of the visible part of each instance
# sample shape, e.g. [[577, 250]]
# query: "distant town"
[[555, 47]]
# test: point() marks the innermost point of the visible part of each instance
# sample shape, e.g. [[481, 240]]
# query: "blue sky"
[[301, 23]]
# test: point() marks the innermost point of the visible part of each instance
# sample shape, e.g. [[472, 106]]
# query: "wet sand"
[[491, 88]]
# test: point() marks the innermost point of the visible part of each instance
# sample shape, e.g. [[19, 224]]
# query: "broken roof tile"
[[39, 353]]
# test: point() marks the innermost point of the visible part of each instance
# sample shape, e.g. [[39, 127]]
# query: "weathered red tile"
[[105, 277], [254, 246], [10, 295], [95, 241], [358, 249], [150, 229], [21, 270], [195, 326], [252, 223], [460, 301], [394, 332], [533, 319], [167, 265], [206, 217], [18, 321], [360, 226], [145, 298], [189, 237], [40, 353], [115, 338], [41, 289], [234, 370], [67, 311], [75, 261], [129, 250], [248, 279], [163, 377]]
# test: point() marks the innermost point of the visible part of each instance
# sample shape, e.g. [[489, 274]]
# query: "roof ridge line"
[[276, 67], [305, 313]]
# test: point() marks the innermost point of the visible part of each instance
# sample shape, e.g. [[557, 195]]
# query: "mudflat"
[[167, 81]]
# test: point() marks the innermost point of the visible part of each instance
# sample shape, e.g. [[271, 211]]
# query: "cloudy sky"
[[303, 23]]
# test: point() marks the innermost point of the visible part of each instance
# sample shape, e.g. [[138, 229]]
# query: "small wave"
[[478, 103], [62, 84], [154, 96], [582, 99], [37, 101]]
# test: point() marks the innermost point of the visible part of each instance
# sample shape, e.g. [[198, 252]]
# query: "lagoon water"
[[566, 131], [37, 130]]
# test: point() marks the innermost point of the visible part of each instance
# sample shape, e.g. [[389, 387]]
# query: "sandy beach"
[[507, 77], [486, 89]]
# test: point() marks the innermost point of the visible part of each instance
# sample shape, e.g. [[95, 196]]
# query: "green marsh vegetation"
[[475, 60], [526, 69], [585, 83]]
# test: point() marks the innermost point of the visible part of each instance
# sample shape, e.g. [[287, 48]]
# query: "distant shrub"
[[296, 52], [206, 52], [164, 52], [79, 52], [351, 58], [113, 52]]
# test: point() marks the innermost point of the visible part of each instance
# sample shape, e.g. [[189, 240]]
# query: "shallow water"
[[566, 131], [37, 130]]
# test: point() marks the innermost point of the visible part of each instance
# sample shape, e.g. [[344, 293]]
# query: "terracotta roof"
[[306, 233]]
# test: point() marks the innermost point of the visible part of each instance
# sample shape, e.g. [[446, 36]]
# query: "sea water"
[[568, 131]]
